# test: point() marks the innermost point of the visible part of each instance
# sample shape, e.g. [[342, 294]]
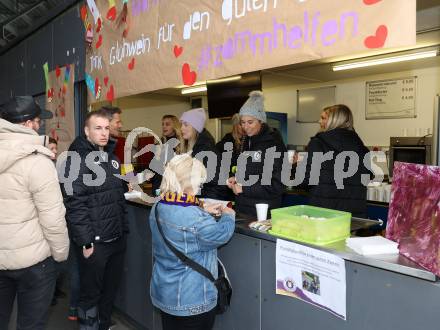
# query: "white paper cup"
[[290, 155], [262, 211]]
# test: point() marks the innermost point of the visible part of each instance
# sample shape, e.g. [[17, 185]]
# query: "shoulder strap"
[[183, 257]]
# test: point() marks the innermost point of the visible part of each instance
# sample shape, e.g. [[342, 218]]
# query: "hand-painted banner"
[[60, 101], [144, 45]]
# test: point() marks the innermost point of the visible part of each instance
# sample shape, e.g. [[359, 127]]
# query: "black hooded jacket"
[[212, 189], [95, 213], [261, 192], [352, 197]]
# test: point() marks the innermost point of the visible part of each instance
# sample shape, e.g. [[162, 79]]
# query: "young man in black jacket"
[[95, 207]]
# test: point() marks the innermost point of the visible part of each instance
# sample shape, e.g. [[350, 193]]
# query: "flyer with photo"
[[311, 275]]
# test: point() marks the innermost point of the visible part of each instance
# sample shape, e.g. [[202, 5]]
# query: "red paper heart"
[[125, 33], [57, 71], [99, 42], [377, 40], [178, 51], [50, 93], [98, 25], [131, 64], [371, 2], [111, 14], [96, 86], [110, 94], [83, 12], [189, 77], [105, 81]]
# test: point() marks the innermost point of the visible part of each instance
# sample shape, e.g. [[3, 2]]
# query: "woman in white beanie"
[[197, 139], [258, 137]]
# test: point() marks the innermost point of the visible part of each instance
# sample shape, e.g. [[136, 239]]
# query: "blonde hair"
[[237, 131], [339, 116], [188, 145], [182, 174], [177, 130]]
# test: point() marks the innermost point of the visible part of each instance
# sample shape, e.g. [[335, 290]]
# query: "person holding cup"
[[337, 135], [259, 140]]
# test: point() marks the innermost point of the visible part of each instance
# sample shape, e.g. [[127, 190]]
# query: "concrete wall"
[[59, 42]]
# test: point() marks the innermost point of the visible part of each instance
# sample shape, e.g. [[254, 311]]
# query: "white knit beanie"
[[196, 118]]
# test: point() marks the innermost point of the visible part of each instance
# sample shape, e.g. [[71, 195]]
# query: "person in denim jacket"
[[187, 300]]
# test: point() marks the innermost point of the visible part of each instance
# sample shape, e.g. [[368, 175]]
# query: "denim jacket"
[[175, 288]]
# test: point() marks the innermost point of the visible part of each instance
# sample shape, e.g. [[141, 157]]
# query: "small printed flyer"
[[311, 275]]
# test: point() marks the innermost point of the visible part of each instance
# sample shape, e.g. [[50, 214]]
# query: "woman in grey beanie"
[[258, 138]]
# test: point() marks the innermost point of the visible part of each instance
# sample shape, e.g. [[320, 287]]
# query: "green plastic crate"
[[288, 223]]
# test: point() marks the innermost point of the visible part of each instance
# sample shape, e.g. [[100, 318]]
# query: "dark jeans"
[[204, 321], [100, 275], [34, 287], [74, 276]]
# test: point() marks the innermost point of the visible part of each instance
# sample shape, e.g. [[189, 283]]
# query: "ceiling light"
[[195, 89], [233, 78], [385, 60]]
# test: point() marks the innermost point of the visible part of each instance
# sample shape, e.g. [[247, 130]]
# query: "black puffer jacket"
[[258, 193], [220, 146], [95, 213], [352, 198], [212, 189]]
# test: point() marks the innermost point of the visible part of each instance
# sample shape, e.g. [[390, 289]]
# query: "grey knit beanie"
[[254, 106]]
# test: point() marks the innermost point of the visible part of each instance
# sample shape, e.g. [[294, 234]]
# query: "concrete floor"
[[58, 319]]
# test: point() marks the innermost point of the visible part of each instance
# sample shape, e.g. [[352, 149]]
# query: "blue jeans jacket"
[[175, 288]]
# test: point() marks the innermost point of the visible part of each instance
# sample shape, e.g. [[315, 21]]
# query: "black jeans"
[[73, 269], [100, 275], [34, 287], [204, 321]]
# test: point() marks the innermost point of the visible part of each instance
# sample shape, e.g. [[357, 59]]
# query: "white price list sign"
[[393, 98]]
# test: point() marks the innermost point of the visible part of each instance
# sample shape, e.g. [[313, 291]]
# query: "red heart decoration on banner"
[[105, 81], [57, 71], [378, 40], [189, 77], [99, 42], [111, 14], [131, 64], [111, 94], [371, 2], [50, 93], [83, 12], [98, 25], [178, 51], [125, 33], [96, 86]]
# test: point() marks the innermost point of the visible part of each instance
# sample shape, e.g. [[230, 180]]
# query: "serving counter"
[[384, 292]]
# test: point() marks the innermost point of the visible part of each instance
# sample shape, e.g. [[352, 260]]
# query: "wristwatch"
[[87, 246]]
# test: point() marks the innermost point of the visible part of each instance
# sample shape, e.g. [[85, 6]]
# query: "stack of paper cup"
[[387, 193], [371, 193], [262, 211], [380, 194]]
